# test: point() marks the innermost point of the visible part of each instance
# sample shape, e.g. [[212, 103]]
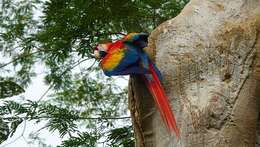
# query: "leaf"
[[4, 131], [13, 107], [83, 139], [9, 88], [121, 137], [14, 126]]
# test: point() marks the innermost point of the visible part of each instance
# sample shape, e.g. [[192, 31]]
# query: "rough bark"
[[209, 56]]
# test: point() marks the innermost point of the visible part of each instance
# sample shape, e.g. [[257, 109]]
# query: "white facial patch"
[[96, 54], [102, 47]]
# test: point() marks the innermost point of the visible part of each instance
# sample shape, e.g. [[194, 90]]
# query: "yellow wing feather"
[[112, 60]]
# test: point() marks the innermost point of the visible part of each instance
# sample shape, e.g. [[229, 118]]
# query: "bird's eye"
[[102, 54]]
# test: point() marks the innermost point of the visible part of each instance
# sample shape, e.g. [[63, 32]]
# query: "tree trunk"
[[209, 56]]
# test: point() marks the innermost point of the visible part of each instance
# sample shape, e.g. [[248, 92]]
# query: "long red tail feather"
[[162, 102]]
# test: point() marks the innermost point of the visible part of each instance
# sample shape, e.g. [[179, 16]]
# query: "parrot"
[[127, 56]]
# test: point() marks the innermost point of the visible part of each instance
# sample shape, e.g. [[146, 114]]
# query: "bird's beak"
[[96, 54]]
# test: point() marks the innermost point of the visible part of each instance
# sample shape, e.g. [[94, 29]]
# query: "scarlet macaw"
[[127, 57]]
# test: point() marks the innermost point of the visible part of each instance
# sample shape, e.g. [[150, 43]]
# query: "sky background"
[[33, 92], [36, 89]]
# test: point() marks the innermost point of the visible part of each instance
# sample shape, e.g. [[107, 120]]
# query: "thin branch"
[[113, 33], [45, 93], [19, 57], [25, 140], [66, 70], [91, 65], [44, 127], [22, 134], [24, 55], [110, 33], [74, 118], [52, 84]]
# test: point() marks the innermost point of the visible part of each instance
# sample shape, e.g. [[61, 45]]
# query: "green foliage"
[[14, 124], [17, 40], [82, 140], [8, 88], [4, 131], [60, 119], [92, 96], [12, 107], [121, 137], [77, 25], [84, 106], [35, 140]]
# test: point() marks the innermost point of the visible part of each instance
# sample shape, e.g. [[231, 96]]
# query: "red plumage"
[[162, 101], [127, 57]]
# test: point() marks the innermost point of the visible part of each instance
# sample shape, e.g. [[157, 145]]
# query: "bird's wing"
[[139, 39], [114, 55]]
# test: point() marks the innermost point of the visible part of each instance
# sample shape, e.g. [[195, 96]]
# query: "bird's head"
[[100, 51]]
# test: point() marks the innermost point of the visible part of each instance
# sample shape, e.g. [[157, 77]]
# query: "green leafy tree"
[[59, 35]]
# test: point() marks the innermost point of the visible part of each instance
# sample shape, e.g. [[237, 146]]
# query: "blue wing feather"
[[138, 39], [135, 60]]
